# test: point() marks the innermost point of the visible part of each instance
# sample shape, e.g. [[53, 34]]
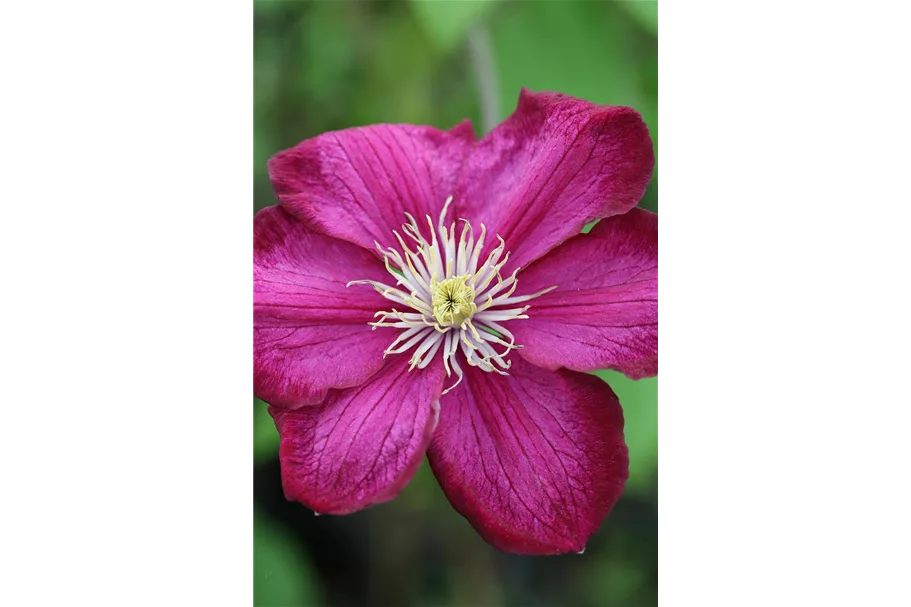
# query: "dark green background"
[[330, 65]]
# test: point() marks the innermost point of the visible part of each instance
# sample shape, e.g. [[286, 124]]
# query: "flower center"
[[451, 300]]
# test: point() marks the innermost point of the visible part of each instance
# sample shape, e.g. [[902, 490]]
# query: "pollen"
[[449, 298]]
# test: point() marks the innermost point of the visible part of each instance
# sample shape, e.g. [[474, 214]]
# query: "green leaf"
[[593, 51], [639, 400], [620, 580], [265, 436], [645, 12], [327, 55], [281, 573], [447, 21], [266, 7], [396, 84]]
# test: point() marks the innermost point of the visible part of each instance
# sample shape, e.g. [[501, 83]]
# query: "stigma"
[[453, 301], [448, 299]]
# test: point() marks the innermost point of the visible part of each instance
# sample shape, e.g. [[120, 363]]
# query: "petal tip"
[[464, 130], [566, 517], [332, 464]]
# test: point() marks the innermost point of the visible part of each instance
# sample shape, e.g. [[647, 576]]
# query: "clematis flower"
[[419, 291]]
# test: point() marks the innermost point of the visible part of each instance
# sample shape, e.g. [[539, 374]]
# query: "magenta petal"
[[556, 163], [535, 461], [364, 444], [357, 184], [310, 331], [604, 312]]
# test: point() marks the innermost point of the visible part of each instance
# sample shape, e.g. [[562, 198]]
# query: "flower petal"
[[364, 444], [357, 184], [534, 460], [310, 332], [604, 312], [556, 163]]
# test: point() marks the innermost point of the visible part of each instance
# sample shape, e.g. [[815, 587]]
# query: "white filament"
[[475, 294]]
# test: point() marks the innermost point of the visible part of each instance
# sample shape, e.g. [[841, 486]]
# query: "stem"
[[481, 52]]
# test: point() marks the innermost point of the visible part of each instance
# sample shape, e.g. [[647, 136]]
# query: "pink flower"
[[419, 291]]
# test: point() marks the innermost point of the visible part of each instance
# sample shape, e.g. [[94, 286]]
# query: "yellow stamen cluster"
[[453, 300]]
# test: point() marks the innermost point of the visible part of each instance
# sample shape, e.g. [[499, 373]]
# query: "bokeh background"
[[333, 64]]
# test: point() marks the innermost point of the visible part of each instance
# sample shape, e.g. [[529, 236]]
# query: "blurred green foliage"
[[639, 399], [325, 65], [447, 22], [281, 572], [265, 436]]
